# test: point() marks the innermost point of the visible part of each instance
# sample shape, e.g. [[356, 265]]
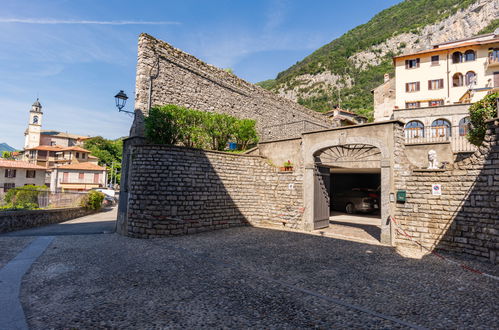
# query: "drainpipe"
[[448, 72]]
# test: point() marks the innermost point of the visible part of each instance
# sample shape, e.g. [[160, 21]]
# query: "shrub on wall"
[[175, 125], [93, 200], [480, 112], [23, 198]]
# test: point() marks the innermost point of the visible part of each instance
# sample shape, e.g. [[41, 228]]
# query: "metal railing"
[[45, 199], [455, 135]]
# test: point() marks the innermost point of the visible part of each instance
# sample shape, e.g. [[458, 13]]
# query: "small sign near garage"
[[401, 196], [436, 189]]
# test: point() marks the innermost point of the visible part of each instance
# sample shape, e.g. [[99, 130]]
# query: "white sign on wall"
[[436, 189]]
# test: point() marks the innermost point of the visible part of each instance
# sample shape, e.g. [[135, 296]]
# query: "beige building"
[[55, 150], [15, 173], [456, 72], [78, 177], [340, 117]]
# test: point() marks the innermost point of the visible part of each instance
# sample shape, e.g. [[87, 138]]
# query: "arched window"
[[457, 57], [441, 128], [470, 78], [464, 126], [469, 55], [35, 119], [457, 80], [414, 129]]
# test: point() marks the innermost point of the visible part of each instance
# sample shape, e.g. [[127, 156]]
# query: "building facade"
[[53, 150], [14, 173]]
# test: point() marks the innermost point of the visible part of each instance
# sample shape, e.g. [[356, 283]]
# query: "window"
[[470, 78], [65, 177], [77, 155], [96, 177], [410, 105], [83, 156], [52, 143], [10, 173], [81, 176], [464, 126], [412, 87], [469, 55], [435, 59], [7, 186], [30, 174], [435, 103], [441, 128], [435, 84], [414, 129], [457, 80], [412, 64], [457, 57]]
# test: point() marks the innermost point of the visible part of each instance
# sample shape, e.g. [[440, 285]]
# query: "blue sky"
[[75, 55]]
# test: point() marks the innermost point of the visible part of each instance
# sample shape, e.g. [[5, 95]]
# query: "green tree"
[[7, 155], [245, 133], [480, 112], [109, 153], [25, 198]]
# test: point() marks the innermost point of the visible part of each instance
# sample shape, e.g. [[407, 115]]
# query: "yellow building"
[[456, 72]]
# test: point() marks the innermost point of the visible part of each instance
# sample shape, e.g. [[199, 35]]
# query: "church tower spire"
[[32, 134]]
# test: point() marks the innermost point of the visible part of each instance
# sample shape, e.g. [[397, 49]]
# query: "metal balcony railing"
[[455, 135]]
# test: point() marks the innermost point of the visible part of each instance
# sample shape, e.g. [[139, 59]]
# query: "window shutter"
[[417, 86], [14, 174], [406, 90], [441, 83], [417, 63], [429, 84], [406, 66]]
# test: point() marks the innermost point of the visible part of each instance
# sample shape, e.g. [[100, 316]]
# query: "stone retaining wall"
[[465, 218], [17, 220], [176, 190], [179, 78]]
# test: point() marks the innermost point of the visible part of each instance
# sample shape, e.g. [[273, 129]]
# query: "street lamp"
[[120, 99]]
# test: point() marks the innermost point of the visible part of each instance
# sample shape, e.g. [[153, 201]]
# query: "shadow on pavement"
[[87, 228]]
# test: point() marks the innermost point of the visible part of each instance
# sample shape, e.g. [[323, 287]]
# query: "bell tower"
[[32, 134]]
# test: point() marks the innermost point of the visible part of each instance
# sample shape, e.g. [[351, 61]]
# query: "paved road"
[[245, 277]]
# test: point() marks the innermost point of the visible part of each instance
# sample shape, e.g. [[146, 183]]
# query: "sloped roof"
[[59, 148], [82, 166], [4, 163], [64, 135]]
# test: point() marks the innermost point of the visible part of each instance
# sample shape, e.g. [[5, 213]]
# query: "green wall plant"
[[480, 112]]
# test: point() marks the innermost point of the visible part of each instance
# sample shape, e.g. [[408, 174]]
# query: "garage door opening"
[[348, 183]]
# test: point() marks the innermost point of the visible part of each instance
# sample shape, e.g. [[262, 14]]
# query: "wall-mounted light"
[[120, 99]]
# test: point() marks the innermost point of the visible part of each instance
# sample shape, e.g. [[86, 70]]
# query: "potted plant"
[[288, 166]]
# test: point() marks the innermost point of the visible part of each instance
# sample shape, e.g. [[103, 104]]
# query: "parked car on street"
[[355, 200]]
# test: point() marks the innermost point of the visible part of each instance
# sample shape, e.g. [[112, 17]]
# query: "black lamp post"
[[120, 99]]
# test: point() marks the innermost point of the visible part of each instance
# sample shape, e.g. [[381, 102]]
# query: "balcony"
[[455, 135], [492, 60]]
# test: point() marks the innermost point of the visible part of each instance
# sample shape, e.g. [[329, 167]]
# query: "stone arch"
[[386, 179]]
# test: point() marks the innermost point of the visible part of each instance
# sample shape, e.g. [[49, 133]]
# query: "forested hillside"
[[348, 68]]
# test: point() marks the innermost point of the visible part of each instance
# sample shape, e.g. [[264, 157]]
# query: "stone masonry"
[[465, 218], [177, 190], [175, 77]]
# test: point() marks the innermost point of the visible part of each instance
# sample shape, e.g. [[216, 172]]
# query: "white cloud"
[[92, 22]]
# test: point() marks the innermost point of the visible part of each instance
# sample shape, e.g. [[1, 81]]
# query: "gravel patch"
[[10, 247], [248, 277]]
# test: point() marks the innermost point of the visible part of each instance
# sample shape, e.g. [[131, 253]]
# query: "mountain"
[[6, 147], [344, 71]]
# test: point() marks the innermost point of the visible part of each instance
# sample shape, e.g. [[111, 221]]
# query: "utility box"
[[401, 196]]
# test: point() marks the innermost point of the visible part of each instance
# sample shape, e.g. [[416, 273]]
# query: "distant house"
[[78, 176], [15, 173], [56, 151], [340, 117]]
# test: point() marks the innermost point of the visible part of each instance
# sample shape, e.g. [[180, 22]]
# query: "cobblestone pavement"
[[249, 277]]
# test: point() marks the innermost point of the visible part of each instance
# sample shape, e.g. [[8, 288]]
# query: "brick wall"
[[176, 190], [180, 78], [465, 218]]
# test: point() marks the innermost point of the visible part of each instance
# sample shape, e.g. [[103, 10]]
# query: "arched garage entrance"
[[355, 149], [350, 176]]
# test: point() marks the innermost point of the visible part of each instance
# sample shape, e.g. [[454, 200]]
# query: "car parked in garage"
[[355, 200]]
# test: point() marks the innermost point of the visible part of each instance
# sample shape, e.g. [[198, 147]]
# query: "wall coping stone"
[[166, 146], [429, 170], [426, 143], [28, 212], [440, 106], [279, 140], [357, 126]]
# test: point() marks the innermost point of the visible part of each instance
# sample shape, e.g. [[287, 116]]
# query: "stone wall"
[[177, 190], [179, 78], [17, 220], [465, 218]]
